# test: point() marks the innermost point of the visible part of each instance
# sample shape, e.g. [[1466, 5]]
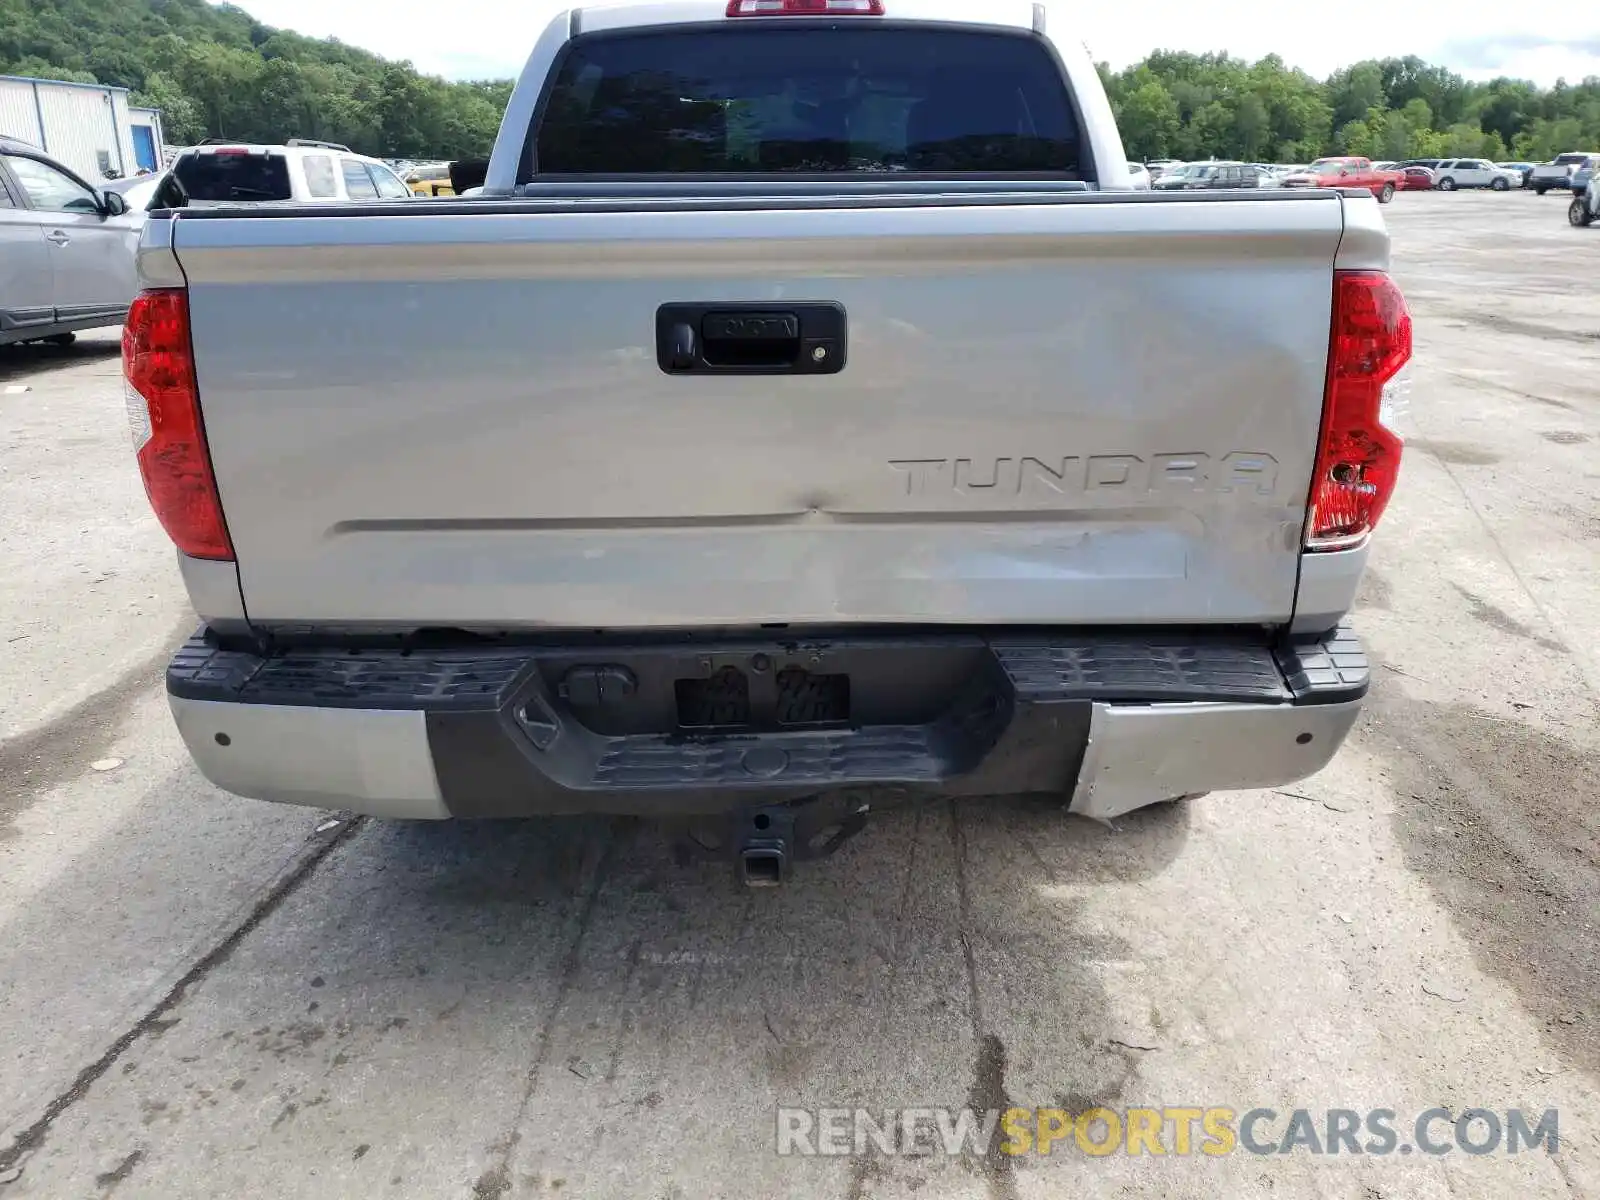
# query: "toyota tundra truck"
[[807, 416]]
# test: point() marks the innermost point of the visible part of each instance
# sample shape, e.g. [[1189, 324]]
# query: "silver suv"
[[66, 249]]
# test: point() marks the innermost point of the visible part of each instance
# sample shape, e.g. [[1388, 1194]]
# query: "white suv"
[[297, 170], [1455, 173]]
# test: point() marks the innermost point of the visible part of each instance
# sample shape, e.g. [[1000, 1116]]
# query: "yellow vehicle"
[[430, 180]]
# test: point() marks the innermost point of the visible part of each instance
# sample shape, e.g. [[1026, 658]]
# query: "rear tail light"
[[164, 412], [1358, 458], [805, 8]]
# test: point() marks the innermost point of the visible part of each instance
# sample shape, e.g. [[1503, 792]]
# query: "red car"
[[1347, 172], [1415, 179]]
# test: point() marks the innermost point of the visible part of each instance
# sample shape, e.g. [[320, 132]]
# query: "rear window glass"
[[234, 176], [872, 99], [1567, 160]]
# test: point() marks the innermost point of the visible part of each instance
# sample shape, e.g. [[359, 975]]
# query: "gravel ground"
[[202, 996]]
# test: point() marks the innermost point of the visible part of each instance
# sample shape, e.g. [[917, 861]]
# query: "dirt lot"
[[202, 996]]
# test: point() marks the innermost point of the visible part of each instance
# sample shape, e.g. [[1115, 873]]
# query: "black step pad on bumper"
[[1326, 670], [1330, 668], [1003, 713], [339, 678]]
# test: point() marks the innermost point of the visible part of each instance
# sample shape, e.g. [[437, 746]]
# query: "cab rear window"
[[234, 176], [878, 98]]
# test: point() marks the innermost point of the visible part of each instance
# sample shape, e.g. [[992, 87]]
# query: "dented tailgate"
[[1072, 411]]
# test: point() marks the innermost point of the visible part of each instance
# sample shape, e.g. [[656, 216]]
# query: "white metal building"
[[88, 126]]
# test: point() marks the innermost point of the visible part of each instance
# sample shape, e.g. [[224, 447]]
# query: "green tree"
[[1392, 108], [1252, 127], [1468, 140], [1509, 108], [1355, 91], [1298, 112], [181, 118], [215, 71], [1417, 115], [1354, 137], [1149, 121]]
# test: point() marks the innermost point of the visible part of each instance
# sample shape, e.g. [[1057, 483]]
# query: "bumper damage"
[[1115, 720]]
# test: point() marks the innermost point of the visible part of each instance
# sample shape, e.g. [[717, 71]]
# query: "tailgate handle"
[[750, 339]]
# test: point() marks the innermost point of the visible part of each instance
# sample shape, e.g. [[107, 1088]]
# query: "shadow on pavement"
[[20, 362]]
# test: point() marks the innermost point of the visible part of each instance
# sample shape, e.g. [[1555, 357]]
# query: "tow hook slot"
[[764, 856], [765, 843]]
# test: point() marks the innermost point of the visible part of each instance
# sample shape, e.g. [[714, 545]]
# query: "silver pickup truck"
[[1559, 171], [807, 416]]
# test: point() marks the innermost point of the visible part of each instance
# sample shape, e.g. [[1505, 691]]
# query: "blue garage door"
[[144, 147]]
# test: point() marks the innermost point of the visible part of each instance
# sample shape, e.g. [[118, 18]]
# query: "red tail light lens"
[[805, 8], [164, 410], [1358, 459]]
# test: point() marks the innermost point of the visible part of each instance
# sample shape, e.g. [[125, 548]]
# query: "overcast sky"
[[1534, 39]]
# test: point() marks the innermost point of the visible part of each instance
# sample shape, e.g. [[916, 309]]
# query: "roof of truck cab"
[[1012, 14]]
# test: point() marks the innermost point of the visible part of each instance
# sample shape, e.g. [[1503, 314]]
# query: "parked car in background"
[[1208, 175], [1347, 172], [1454, 173], [1160, 166], [296, 170], [66, 249], [431, 179], [1585, 206], [1582, 176], [1523, 170], [1431, 163], [1558, 172], [1175, 174], [1416, 179], [1139, 176]]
